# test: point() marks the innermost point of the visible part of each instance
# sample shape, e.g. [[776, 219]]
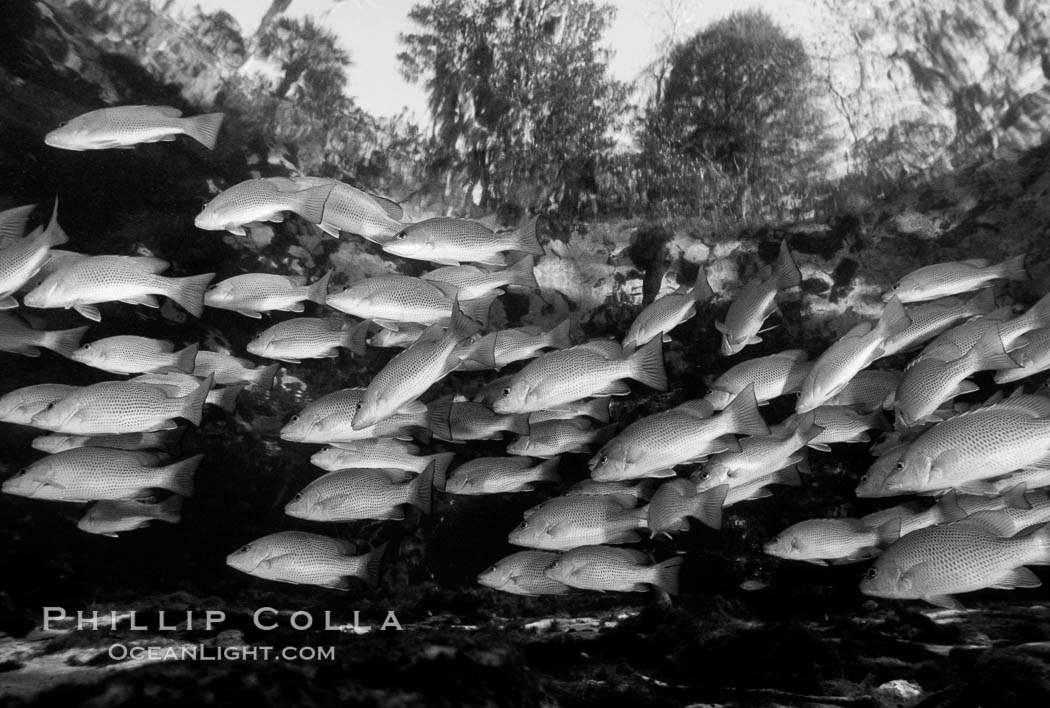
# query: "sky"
[[368, 30]]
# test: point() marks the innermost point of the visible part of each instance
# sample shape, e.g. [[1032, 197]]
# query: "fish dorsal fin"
[[858, 330], [607, 348], [977, 262], [994, 522], [392, 208], [168, 111], [796, 355]]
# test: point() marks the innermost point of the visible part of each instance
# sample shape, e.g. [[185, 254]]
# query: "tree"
[[518, 92]]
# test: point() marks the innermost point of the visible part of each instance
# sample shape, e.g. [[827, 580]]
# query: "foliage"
[[519, 94]]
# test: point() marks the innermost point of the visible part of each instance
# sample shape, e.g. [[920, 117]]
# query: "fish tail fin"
[[888, 533], [189, 292], [647, 365], [709, 505], [666, 573], [371, 564], [170, 509], [561, 336], [476, 312], [1038, 315], [204, 128], [310, 203], [983, 302], [13, 223], [521, 274], [742, 416], [989, 353], [526, 239], [439, 418], [355, 338], [318, 292], [186, 359], [604, 435], [423, 490], [442, 461], [894, 319], [547, 471], [178, 476], [702, 291], [226, 397], [1013, 268], [787, 272], [598, 409], [65, 341], [484, 352], [264, 377], [877, 421], [518, 423], [193, 403], [55, 235]]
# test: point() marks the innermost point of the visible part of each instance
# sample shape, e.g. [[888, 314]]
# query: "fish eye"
[[506, 392], [325, 449], [49, 406], [401, 236], [22, 472], [524, 525], [492, 569], [298, 497], [776, 539], [899, 466], [602, 459], [863, 479], [705, 476], [212, 287], [345, 288], [872, 573], [246, 548], [295, 419], [552, 565], [360, 405]]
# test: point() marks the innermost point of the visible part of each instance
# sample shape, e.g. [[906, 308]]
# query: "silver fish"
[[617, 569], [382, 453], [522, 573], [567, 522], [127, 126], [557, 437], [943, 279], [929, 320], [89, 281], [258, 200], [451, 241], [666, 313], [330, 419], [755, 456], [19, 338], [389, 300], [497, 349], [774, 375], [473, 282], [309, 338], [677, 500], [869, 390], [1032, 358], [23, 258], [499, 475], [256, 293], [130, 354], [839, 424], [960, 339], [307, 559], [89, 473], [228, 369], [462, 421], [936, 563], [110, 517], [19, 406], [845, 358], [756, 302], [354, 494], [349, 209], [597, 368], [839, 541]]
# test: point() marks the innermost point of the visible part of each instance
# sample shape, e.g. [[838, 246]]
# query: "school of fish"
[[979, 470]]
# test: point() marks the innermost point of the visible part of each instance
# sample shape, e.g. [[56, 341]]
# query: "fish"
[[130, 354], [596, 368], [839, 424], [497, 349], [330, 419], [605, 569], [596, 408], [23, 258], [411, 372], [19, 406], [255, 293], [127, 126], [562, 523], [381, 453], [755, 456], [677, 500], [451, 241], [254, 201], [588, 487], [19, 338], [462, 421], [121, 407], [124, 441], [89, 473], [869, 390], [978, 445], [654, 445], [500, 475], [57, 259], [350, 209], [355, 494], [177, 384], [389, 300], [13, 223], [936, 563], [928, 320], [929, 383], [522, 573], [557, 437], [944, 279], [756, 302], [309, 338], [110, 517], [774, 375], [303, 558], [96, 279], [846, 357], [838, 541], [402, 337], [473, 282], [228, 369], [759, 488], [668, 312], [1032, 358], [960, 339]]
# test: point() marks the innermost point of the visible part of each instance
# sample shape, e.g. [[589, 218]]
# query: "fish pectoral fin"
[[7, 302], [1018, 578], [147, 300], [616, 388], [664, 473], [721, 327], [89, 311], [291, 361], [250, 313], [946, 601], [814, 561], [859, 555], [237, 230], [666, 338], [328, 229], [823, 447], [755, 339], [388, 324], [983, 489]]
